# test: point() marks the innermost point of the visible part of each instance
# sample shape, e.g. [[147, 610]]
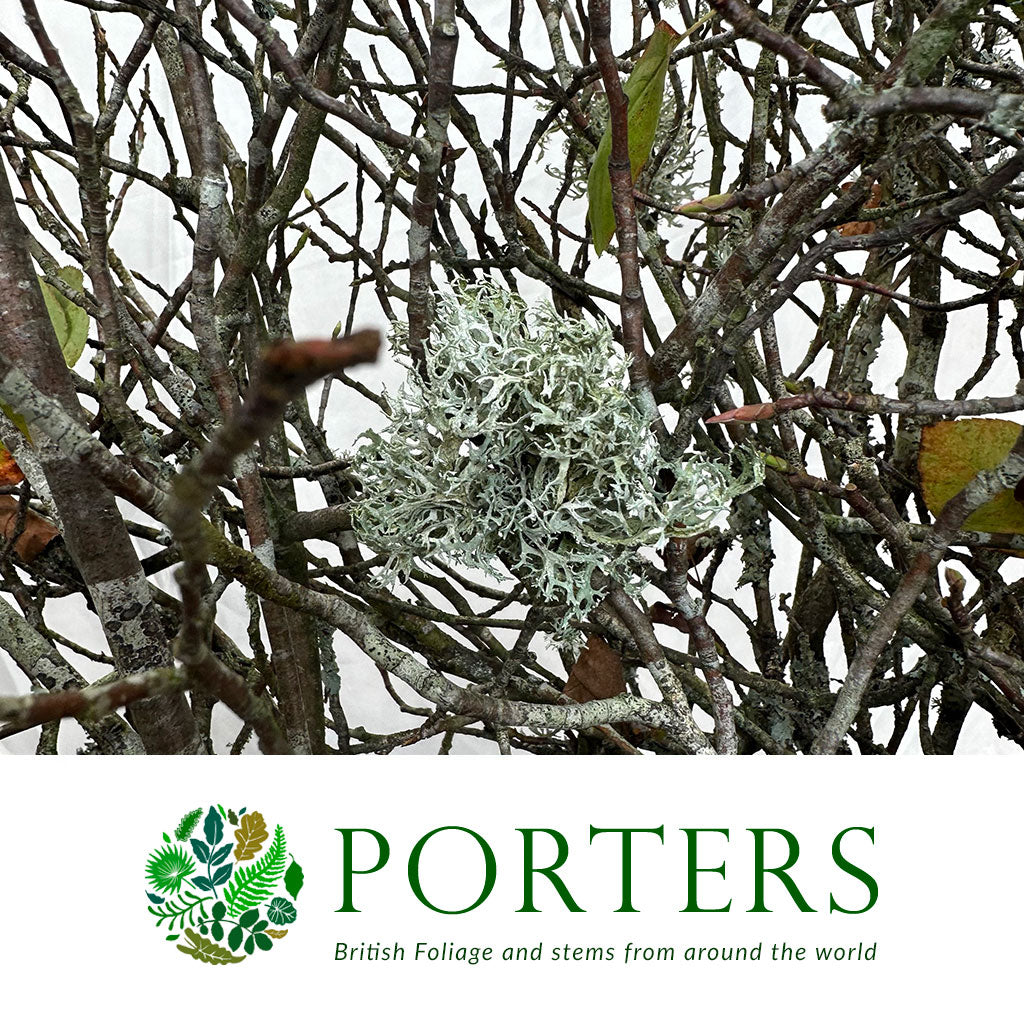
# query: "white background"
[[77, 940]]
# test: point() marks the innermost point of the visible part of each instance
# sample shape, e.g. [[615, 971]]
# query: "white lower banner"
[[509, 889]]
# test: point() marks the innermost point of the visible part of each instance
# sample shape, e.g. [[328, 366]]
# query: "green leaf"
[[174, 913], [248, 919], [207, 950], [254, 883], [644, 89], [281, 911], [954, 452], [222, 874], [187, 825], [250, 944], [213, 826], [70, 321], [263, 941], [221, 854], [294, 879], [235, 938], [216, 931], [168, 867], [16, 418]]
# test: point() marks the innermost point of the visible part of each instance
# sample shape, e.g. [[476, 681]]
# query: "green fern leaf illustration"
[[254, 883], [174, 913], [187, 825]]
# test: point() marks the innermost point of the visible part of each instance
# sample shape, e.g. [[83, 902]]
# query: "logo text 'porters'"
[[698, 866]]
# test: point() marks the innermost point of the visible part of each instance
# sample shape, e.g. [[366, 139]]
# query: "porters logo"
[[223, 899]]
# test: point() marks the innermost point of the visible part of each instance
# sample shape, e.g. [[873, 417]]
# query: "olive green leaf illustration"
[[168, 867], [187, 825], [277, 933], [251, 835], [254, 884], [207, 950]]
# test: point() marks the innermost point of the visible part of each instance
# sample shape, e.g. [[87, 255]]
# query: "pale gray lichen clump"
[[523, 446]]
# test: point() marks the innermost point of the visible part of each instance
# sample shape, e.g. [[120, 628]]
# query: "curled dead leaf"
[[10, 471], [34, 537], [745, 413]]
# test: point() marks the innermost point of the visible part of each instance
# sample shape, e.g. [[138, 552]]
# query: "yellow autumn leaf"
[[953, 453]]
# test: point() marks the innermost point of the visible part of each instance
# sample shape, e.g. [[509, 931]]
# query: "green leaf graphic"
[[281, 911], [263, 941], [294, 879], [644, 91], [221, 854], [235, 938], [168, 867], [175, 912], [221, 875], [187, 825], [213, 826], [208, 951], [70, 322], [249, 918], [254, 883]]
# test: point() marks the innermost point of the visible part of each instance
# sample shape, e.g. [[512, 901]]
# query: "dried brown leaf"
[[863, 227], [10, 471], [597, 673], [745, 413], [36, 534]]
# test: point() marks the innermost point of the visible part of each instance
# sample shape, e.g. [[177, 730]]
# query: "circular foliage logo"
[[223, 899]]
